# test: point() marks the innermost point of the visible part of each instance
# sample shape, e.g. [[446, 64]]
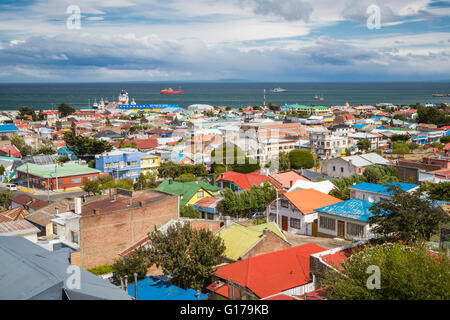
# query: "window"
[[354, 229], [327, 223], [285, 203], [134, 163], [334, 168], [74, 236], [108, 165], [200, 194], [76, 180], [116, 164], [295, 223], [342, 170]]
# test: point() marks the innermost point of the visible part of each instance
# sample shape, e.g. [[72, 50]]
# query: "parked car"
[[11, 187], [258, 215]]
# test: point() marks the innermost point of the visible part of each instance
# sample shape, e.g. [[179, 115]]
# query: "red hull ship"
[[170, 91]]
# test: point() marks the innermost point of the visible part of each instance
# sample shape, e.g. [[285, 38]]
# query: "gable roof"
[[12, 214], [308, 200], [353, 209], [288, 179], [185, 189], [31, 272], [272, 273], [29, 201], [378, 188], [238, 238], [322, 186], [17, 228], [246, 180]]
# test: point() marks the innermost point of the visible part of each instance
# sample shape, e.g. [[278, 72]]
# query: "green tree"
[[284, 162], [407, 272], [123, 145], [445, 139], [2, 170], [189, 212], [342, 186], [5, 198], [84, 147], [64, 109], [44, 149], [381, 174], [301, 159], [433, 116], [232, 158], [187, 255], [407, 216], [364, 145], [187, 177], [137, 262], [400, 148], [91, 186], [400, 137], [19, 142], [25, 111], [437, 191]]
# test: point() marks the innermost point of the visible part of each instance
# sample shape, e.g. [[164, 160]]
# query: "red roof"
[[335, 259], [272, 273], [10, 151], [49, 112], [246, 180], [447, 146]]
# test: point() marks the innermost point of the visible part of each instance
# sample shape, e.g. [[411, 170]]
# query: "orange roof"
[[287, 179], [308, 200], [246, 180], [272, 273]]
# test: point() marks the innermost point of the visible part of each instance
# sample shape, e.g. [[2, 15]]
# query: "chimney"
[[77, 205], [56, 210], [198, 294]]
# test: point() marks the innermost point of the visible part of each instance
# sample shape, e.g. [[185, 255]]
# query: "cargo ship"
[[171, 91]]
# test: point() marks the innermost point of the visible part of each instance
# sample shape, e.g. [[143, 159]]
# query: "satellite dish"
[[371, 199]]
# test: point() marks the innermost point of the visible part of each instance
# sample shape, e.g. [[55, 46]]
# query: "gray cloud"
[[289, 10]]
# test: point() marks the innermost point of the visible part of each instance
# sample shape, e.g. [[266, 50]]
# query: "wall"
[[334, 233], [104, 235], [348, 168], [270, 242]]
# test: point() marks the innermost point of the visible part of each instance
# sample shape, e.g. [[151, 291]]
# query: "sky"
[[254, 40]]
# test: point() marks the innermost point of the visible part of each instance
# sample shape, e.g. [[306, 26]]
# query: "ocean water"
[[48, 96]]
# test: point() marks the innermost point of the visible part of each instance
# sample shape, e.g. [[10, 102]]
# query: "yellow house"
[[150, 163], [189, 192]]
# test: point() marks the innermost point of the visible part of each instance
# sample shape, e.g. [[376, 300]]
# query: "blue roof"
[[359, 125], [152, 288], [8, 128], [378, 188], [354, 209]]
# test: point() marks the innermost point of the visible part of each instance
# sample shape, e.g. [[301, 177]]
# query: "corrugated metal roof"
[[352, 209], [17, 228]]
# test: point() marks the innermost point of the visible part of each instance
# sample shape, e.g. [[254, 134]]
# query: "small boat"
[[319, 98], [278, 90], [171, 91]]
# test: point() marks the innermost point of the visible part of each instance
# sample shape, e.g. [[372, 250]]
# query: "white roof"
[[365, 160], [322, 186]]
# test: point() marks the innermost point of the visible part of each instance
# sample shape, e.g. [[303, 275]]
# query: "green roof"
[[238, 238], [48, 171], [309, 107], [185, 189]]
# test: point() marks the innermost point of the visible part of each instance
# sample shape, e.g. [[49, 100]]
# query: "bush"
[[104, 269], [189, 212], [187, 177], [301, 159]]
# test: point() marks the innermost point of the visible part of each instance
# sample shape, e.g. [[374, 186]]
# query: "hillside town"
[[158, 202]]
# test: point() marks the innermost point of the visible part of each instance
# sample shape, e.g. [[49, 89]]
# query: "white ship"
[[123, 98], [278, 90]]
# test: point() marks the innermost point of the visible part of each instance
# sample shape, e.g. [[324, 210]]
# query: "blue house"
[[373, 192], [152, 288], [8, 128], [64, 152], [121, 164], [347, 220]]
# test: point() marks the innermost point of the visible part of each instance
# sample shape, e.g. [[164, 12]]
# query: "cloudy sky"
[[263, 40]]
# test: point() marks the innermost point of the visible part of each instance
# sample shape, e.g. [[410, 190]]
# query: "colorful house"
[[121, 164], [347, 220], [243, 181], [149, 163], [280, 272], [373, 192], [189, 192]]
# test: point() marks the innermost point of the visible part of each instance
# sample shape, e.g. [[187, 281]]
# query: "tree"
[[445, 139], [437, 191], [2, 170], [400, 137], [432, 116], [91, 186], [64, 109], [25, 111], [84, 147], [19, 142], [406, 215], [136, 262], [189, 212], [284, 162], [44, 149], [232, 158], [381, 174], [187, 177], [301, 159], [5, 198], [400, 148], [342, 186], [407, 272], [108, 122], [187, 255], [131, 144], [364, 145]]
